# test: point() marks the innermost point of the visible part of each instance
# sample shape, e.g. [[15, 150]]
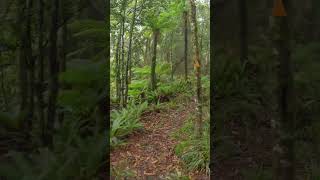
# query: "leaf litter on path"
[[151, 152]]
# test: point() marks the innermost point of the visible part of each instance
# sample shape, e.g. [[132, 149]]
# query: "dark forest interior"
[[265, 78], [53, 84]]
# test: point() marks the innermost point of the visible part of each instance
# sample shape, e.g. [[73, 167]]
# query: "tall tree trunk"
[[154, 60], [171, 56], [31, 63], [283, 149], [123, 76], [23, 73], [243, 14], [40, 88], [117, 67], [128, 66], [53, 70], [185, 15], [197, 65], [146, 52], [3, 89]]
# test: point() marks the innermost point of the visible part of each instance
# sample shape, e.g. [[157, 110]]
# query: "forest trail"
[[150, 152]]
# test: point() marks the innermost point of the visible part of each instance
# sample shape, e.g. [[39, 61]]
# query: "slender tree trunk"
[[146, 53], [123, 77], [128, 66], [31, 63], [197, 64], [284, 146], [243, 30], [53, 70], [131, 37], [23, 73], [185, 45], [40, 88], [154, 60], [171, 56], [4, 92], [117, 68]]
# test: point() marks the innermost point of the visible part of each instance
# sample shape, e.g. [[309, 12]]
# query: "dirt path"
[[151, 152]]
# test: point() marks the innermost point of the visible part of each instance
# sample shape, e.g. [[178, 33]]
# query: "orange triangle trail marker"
[[278, 9], [196, 64]]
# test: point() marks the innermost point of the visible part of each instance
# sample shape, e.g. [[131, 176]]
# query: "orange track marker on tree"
[[278, 9]]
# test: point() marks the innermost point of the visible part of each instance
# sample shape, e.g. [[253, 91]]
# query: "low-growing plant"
[[125, 121], [192, 150]]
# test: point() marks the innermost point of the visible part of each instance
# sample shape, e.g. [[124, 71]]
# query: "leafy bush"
[[86, 87], [82, 160], [165, 90], [257, 173], [125, 121], [194, 151]]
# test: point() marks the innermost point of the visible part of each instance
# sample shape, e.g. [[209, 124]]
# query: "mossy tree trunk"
[[197, 65]]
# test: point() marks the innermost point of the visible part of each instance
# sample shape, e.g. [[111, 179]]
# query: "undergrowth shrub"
[[125, 121], [258, 173], [75, 157], [193, 151]]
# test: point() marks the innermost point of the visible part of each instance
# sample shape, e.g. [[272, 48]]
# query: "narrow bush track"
[[150, 152]]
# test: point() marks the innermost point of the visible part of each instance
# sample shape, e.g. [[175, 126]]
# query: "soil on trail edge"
[[150, 153]]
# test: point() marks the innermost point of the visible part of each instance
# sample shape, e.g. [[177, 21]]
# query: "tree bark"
[[284, 145], [123, 74], [31, 64], [243, 30], [197, 64], [154, 60], [4, 92], [185, 15], [117, 67], [23, 73], [40, 88], [129, 60], [53, 70]]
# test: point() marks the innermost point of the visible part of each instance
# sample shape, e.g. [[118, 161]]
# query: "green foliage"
[[87, 84], [229, 77], [9, 120], [82, 160], [91, 37], [166, 88], [313, 171], [177, 175], [125, 121], [194, 151], [159, 15], [257, 173], [122, 171]]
